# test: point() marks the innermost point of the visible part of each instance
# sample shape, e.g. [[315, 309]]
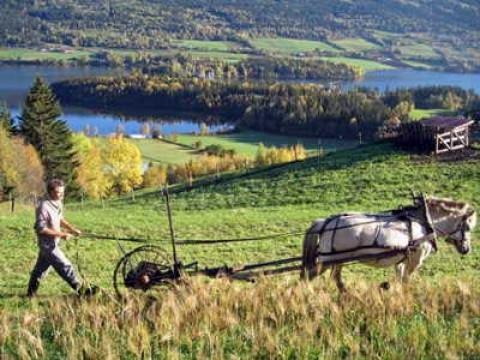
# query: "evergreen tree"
[[40, 125], [6, 120]]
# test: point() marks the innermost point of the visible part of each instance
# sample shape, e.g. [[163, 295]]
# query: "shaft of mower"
[[170, 223], [105, 237]]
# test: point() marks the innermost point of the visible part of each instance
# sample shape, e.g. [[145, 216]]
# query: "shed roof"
[[446, 122]]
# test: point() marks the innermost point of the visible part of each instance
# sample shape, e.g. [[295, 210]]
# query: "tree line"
[[294, 109], [265, 68]]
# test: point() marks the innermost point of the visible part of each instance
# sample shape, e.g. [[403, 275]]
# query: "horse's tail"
[[309, 253]]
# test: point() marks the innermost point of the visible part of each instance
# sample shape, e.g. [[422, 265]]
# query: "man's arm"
[[64, 223], [55, 233]]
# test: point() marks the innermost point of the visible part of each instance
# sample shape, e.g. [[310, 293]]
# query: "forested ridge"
[[152, 24]]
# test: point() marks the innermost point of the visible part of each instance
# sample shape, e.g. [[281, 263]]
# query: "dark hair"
[[52, 184]]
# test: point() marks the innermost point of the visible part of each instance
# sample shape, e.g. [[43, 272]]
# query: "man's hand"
[[76, 232], [66, 236]]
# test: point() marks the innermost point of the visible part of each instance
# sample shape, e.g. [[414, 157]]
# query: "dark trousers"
[[56, 259]]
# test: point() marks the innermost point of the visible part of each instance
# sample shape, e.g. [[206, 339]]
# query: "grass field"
[[158, 151], [417, 51], [31, 55], [417, 64], [418, 114], [278, 318], [366, 65], [355, 44], [290, 46], [246, 142], [206, 45]]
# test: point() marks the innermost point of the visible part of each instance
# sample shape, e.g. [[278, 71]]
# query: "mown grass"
[[366, 65], [418, 65], [290, 46], [247, 142], [417, 50], [355, 44], [206, 45], [275, 318], [158, 151], [417, 114], [31, 54]]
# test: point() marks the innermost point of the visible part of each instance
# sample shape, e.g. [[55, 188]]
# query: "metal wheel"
[[141, 269]]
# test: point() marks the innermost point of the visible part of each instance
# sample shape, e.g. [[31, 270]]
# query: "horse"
[[403, 237]]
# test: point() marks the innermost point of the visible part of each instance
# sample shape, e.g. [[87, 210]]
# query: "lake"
[[15, 80], [407, 78]]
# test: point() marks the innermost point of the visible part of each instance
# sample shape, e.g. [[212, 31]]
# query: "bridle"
[[461, 227]]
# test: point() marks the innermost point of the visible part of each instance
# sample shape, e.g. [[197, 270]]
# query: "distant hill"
[[414, 29]]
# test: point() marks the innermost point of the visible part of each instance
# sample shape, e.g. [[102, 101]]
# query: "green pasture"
[[290, 46], [387, 36], [418, 64], [218, 55], [368, 178], [366, 65], [417, 50], [418, 114], [246, 142], [355, 44], [158, 151], [32, 55], [205, 45]]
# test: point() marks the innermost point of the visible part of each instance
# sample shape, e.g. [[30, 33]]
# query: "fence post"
[[12, 200], [319, 142]]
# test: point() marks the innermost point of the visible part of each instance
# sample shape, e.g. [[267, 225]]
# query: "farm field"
[[31, 54], [158, 151], [206, 45], [418, 114], [247, 142], [215, 318], [290, 46], [417, 64], [355, 44], [366, 65], [417, 51]]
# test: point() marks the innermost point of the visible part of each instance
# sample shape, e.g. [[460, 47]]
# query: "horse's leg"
[[337, 276], [400, 271], [309, 273], [415, 260]]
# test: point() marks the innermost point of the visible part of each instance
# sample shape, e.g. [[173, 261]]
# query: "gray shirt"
[[48, 214]]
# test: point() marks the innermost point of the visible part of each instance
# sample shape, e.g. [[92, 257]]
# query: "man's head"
[[56, 189]]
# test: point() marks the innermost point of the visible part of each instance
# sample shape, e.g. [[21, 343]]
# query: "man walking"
[[50, 227]]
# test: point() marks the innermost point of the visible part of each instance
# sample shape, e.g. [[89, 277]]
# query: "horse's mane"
[[459, 208]]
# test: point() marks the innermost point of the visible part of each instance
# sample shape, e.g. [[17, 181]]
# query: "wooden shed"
[[439, 134]]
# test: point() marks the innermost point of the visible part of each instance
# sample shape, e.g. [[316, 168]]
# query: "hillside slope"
[[281, 317], [369, 178], [151, 23]]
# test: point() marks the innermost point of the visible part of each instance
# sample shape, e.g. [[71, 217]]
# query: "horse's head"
[[454, 220]]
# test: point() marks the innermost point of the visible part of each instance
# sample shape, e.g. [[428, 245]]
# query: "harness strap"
[[429, 223], [429, 237]]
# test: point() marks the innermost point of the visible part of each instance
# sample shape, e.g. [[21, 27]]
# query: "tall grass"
[[283, 319]]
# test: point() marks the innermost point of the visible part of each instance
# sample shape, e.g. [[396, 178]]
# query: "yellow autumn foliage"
[[122, 164]]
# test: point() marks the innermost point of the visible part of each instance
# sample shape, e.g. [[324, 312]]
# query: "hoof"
[[385, 285]]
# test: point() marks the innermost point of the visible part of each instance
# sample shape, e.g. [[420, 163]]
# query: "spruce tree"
[[6, 120], [41, 126]]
